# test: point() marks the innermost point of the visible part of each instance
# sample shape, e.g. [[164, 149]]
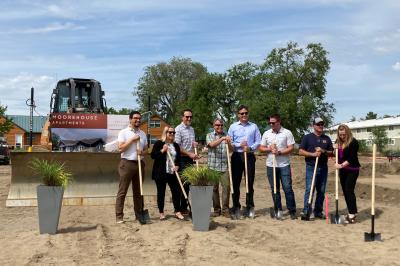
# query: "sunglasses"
[[218, 125], [244, 113], [272, 123], [188, 116], [171, 132], [320, 124]]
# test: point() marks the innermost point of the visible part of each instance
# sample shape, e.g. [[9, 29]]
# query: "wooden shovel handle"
[[246, 172], [177, 175], [373, 179], [197, 160], [274, 170], [229, 167], [313, 180], [139, 159], [337, 175]]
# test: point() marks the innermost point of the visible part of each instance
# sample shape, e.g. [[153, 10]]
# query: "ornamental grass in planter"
[[55, 177], [201, 181]]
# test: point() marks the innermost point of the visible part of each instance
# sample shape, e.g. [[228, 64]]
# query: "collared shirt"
[[217, 159], [282, 139], [127, 133], [184, 136], [241, 132]]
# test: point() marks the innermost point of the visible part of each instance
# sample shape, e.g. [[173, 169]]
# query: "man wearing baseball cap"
[[313, 145]]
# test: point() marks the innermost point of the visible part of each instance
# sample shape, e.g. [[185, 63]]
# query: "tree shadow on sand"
[[76, 229]]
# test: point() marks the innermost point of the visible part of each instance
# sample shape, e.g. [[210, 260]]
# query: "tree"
[[292, 82], [371, 115], [169, 85], [353, 118], [379, 137], [5, 123]]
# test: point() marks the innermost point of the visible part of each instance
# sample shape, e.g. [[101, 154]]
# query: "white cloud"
[[396, 66]]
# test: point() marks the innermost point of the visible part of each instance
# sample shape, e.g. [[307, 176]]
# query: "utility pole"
[[31, 105], [148, 123]]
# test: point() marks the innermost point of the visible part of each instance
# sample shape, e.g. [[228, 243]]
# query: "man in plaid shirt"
[[218, 160]]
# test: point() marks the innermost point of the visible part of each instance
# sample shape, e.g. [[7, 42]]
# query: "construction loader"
[[75, 133]]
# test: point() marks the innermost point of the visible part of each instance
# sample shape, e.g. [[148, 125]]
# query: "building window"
[[392, 142], [155, 123], [391, 127], [359, 130], [153, 139], [369, 129]]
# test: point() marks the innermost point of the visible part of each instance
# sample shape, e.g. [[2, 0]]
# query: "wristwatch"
[[279, 152]]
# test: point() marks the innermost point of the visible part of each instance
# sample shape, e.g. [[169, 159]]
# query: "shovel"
[[180, 183], [250, 212], [274, 212], [336, 218], [197, 160], [368, 237], [236, 214], [145, 216], [306, 216]]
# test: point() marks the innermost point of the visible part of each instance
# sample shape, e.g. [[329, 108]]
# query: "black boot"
[[140, 217]]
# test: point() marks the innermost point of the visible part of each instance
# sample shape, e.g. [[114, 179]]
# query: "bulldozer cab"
[[78, 96]]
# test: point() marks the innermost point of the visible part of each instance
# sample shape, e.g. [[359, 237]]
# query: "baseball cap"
[[318, 120]]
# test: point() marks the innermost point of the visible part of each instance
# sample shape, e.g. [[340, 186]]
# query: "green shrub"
[[203, 176], [52, 173]]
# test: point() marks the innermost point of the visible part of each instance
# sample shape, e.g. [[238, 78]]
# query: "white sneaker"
[[120, 221]]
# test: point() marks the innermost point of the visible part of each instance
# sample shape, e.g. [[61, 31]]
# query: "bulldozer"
[[75, 134]]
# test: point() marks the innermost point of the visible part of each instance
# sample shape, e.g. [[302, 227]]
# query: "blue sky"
[[113, 41]]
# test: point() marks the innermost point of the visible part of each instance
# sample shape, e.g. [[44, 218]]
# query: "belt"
[[133, 161]]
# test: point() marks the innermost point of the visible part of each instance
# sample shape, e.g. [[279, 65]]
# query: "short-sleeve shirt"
[[184, 136], [217, 158], [127, 133], [283, 138], [244, 132], [310, 142]]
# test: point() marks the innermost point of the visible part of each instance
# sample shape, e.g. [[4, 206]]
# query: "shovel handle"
[[337, 175], [229, 167], [177, 175], [373, 179], [274, 171], [139, 159], [197, 160], [313, 180], [246, 172]]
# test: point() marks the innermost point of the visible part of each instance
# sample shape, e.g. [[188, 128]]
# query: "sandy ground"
[[89, 235]]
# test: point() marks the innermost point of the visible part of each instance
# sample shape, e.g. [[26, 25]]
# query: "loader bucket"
[[95, 176]]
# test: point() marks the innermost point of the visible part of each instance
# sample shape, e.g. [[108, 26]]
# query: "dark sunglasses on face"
[[218, 125], [244, 113], [171, 132], [272, 123], [320, 124], [188, 116]]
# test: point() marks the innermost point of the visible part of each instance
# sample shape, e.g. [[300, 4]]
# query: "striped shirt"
[[184, 137], [244, 132], [217, 159]]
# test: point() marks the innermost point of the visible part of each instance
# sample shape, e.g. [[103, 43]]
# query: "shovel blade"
[[235, 215], [337, 219], [279, 215], [369, 237], [252, 213]]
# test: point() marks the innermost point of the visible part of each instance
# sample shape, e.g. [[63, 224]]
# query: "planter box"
[[201, 207], [49, 208]]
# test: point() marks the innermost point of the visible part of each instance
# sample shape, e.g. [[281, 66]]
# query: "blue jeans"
[[283, 174], [321, 177]]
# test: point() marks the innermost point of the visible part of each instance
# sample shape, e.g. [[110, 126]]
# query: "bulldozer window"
[[63, 100]]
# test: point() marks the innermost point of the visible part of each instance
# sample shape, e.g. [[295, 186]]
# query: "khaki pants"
[[128, 172], [225, 194]]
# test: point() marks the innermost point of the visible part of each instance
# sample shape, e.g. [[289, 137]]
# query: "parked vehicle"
[[4, 152]]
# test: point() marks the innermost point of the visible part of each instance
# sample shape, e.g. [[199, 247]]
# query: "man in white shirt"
[[279, 141], [128, 168]]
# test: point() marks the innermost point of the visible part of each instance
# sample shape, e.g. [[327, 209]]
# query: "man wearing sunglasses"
[[185, 138], [279, 141], [218, 161], [313, 145], [246, 137]]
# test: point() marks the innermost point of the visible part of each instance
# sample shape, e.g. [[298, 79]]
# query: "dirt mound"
[[392, 168]]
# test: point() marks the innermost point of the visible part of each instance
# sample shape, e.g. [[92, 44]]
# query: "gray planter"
[[49, 208], [201, 206]]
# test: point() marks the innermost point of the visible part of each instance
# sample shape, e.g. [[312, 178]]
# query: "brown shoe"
[[215, 214], [226, 214]]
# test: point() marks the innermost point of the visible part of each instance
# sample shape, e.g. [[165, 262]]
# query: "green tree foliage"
[[5, 123], [169, 85], [122, 111], [353, 118], [371, 115], [379, 137], [292, 83]]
